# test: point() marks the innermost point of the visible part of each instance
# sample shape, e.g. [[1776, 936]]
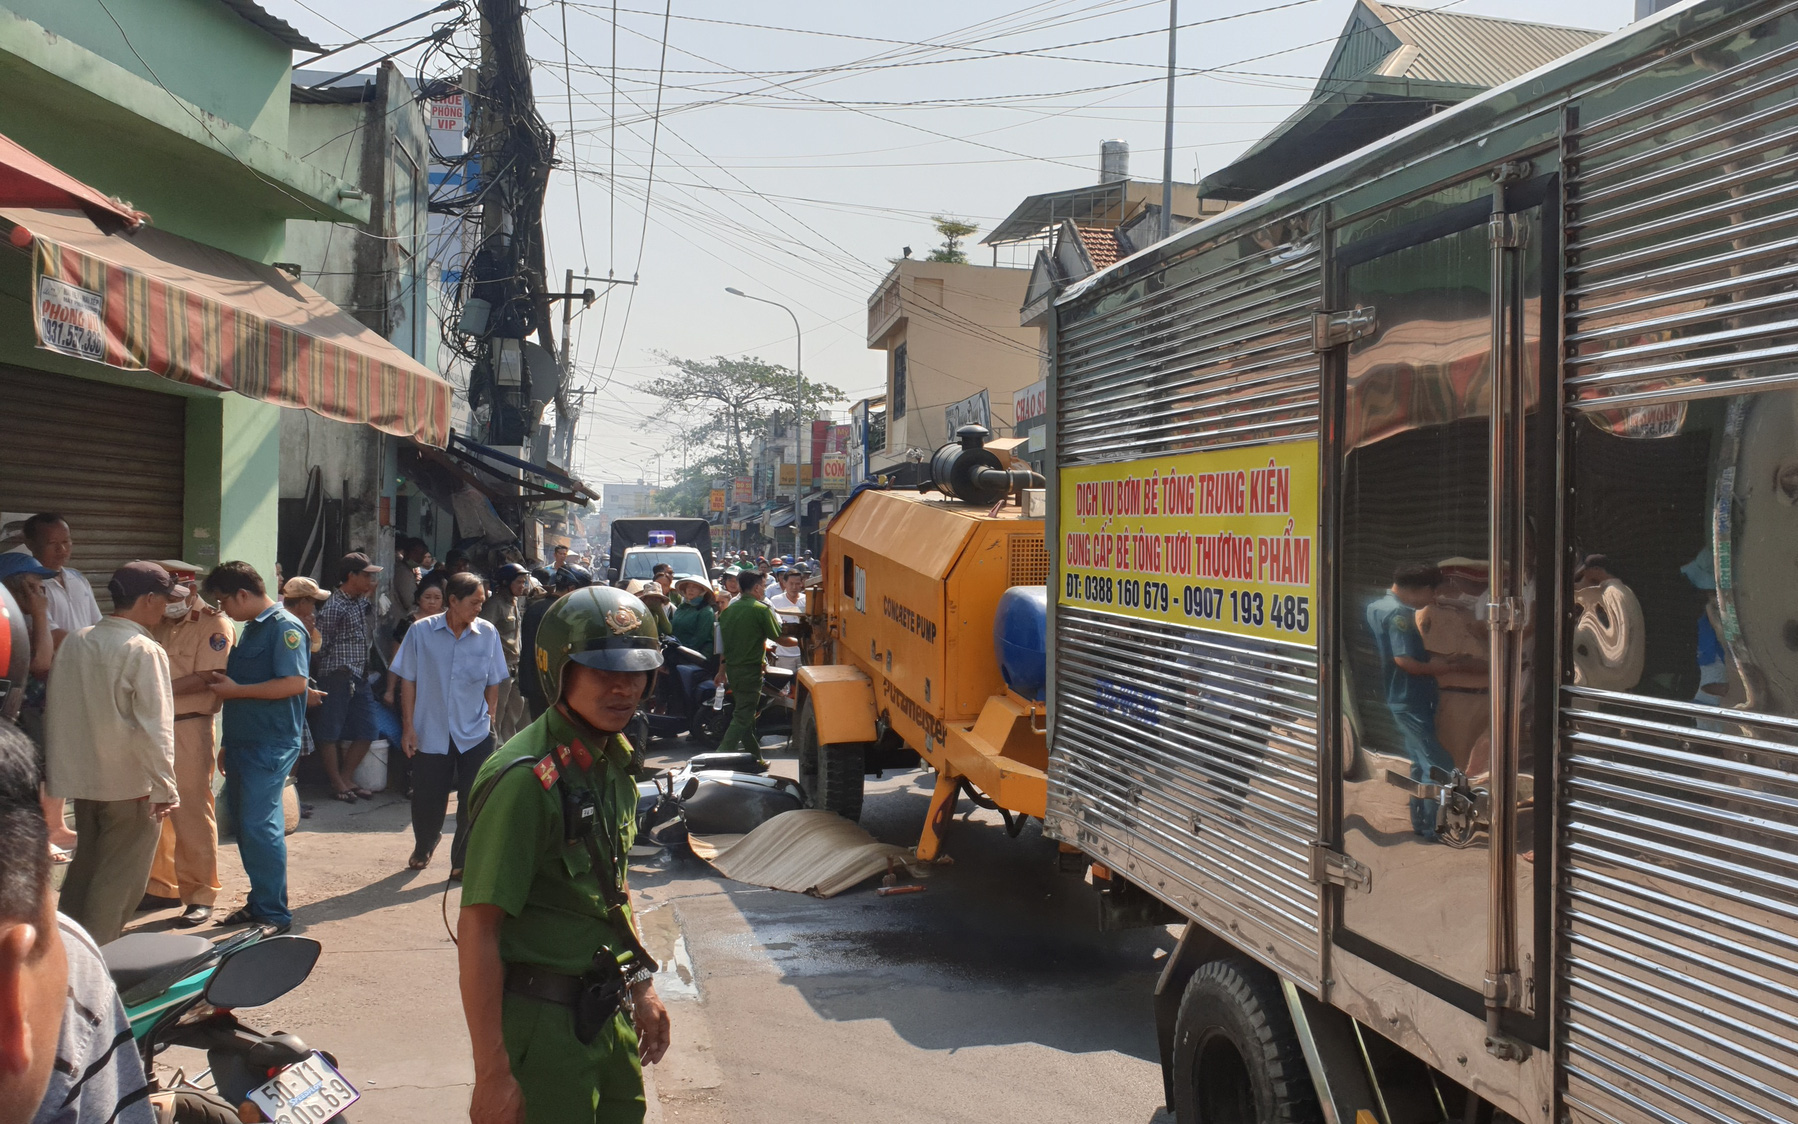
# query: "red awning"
[[27, 181], [153, 301]]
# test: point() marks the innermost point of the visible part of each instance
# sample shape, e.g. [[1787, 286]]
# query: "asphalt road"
[[989, 997]]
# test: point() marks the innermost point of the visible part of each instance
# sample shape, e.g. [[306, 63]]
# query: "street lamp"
[[798, 409], [657, 454]]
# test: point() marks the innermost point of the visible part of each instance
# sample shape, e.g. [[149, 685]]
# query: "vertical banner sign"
[[820, 437], [717, 499], [836, 471], [743, 490], [1030, 402], [1224, 541]]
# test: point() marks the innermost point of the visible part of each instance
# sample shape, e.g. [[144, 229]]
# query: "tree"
[[725, 403], [953, 231]]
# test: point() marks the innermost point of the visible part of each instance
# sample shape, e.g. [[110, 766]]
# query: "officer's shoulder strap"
[[479, 798]]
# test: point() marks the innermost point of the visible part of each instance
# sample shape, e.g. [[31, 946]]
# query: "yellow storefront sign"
[[1223, 540]]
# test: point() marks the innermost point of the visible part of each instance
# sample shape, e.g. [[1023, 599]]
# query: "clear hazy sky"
[[795, 157]]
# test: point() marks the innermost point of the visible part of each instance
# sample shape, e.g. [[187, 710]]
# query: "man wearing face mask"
[[198, 639]]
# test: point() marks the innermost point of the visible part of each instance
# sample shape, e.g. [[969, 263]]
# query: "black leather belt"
[[540, 983]]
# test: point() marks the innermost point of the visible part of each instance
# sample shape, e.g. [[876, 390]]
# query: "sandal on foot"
[[347, 796], [363, 793], [420, 859]]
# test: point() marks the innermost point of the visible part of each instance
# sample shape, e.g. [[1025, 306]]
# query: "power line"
[[580, 214]]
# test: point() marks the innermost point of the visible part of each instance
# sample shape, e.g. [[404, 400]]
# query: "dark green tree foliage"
[[723, 405]]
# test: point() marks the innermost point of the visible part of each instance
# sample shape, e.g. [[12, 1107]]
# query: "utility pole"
[[1167, 156]]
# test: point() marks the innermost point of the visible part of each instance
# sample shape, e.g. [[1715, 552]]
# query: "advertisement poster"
[[786, 476], [743, 490], [70, 320], [717, 499], [1031, 402], [1224, 541], [836, 471]]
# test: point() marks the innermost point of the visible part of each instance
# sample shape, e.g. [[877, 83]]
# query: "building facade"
[[164, 440], [949, 332]]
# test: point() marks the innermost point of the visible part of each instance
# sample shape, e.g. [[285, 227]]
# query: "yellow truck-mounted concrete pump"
[[908, 663]]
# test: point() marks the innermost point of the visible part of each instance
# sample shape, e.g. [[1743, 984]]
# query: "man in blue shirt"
[[1409, 680], [264, 690], [450, 667]]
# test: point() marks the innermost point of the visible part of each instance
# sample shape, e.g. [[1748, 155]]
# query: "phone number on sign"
[[1284, 612]]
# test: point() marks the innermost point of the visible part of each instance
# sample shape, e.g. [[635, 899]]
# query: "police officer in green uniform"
[[745, 626], [555, 984]]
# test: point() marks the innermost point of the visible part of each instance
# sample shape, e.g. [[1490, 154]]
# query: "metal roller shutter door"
[[110, 459]]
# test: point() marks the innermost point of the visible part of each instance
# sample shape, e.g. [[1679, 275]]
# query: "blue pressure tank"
[[1021, 637]]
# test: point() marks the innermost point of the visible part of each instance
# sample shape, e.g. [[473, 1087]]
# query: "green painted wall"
[[233, 478], [200, 49]]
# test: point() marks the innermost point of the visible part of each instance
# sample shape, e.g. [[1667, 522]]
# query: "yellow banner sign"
[[1222, 540], [786, 475], [717, 499]]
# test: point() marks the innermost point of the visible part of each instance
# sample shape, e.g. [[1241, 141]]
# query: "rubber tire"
[[195, 1106], [709, 725], [637, 734], [1236, 1057], [831, 776]]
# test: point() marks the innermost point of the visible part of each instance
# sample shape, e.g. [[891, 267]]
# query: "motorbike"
[[182, 990], [711, 794], [773, 712]]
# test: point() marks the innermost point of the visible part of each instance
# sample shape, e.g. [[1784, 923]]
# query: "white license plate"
[[307, 1092]]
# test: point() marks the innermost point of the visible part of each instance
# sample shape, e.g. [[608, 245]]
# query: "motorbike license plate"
[[307, 1092]]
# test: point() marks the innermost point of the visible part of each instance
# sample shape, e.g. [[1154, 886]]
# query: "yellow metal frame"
[[918, 649], [842, 703]]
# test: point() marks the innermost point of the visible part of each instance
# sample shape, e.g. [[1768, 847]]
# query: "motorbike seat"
[[779, 675], [136, 957]]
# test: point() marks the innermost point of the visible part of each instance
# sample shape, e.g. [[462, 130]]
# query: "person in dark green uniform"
[[556, 987], [745, 626]]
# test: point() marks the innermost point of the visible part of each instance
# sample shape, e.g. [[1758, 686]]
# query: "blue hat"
[[18, 562]]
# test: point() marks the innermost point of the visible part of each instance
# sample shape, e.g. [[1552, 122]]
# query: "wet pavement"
[[990, 996]]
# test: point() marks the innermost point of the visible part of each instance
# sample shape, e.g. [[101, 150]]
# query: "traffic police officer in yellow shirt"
[[556, 986], [198, 639]]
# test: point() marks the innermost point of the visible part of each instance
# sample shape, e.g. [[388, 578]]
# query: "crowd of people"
[[123, 721]]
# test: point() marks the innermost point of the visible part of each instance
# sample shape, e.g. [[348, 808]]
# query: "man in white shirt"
[[109, 726], [72, 603], [789, 606]]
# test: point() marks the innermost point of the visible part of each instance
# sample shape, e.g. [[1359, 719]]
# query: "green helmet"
[[597, 626]]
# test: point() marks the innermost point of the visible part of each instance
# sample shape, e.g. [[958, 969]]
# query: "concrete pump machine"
[[934, 624]]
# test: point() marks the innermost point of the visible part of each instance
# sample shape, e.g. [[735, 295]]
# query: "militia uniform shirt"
[[273, 646]]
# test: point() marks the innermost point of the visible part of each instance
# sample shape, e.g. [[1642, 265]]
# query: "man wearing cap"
[[110, 745], [198, 640], [344, 725], [264, 688]]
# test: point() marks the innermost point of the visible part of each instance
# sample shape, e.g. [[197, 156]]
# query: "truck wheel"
[[1236, 1057], [831, 775]]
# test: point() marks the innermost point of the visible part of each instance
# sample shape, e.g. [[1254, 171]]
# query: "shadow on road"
[[1001, 948]]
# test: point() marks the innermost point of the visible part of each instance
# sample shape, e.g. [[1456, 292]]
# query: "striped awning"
[[153, 301]]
